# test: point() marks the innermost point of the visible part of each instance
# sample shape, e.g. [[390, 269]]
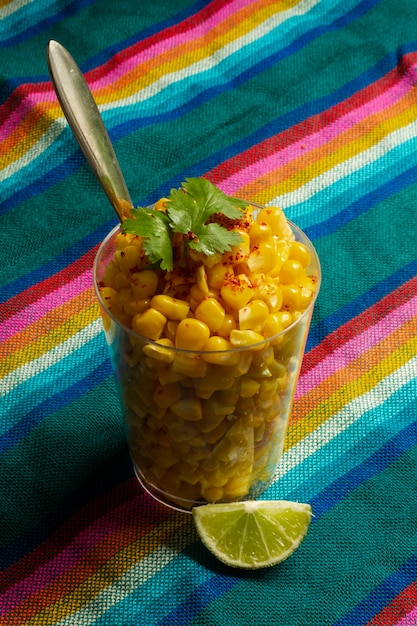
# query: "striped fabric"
[[308, 104]]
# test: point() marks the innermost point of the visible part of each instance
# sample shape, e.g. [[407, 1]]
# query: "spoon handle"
[[84, 118]]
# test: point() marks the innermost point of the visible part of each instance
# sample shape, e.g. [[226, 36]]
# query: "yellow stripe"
[[50, 340], [312, 169], [111, 571], [353, 389]]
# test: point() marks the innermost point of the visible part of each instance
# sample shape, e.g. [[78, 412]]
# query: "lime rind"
[[253, 534]]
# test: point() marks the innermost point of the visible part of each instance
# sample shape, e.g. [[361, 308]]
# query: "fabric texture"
[[307, 104]]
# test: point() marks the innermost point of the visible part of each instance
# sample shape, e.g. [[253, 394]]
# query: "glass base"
[[183, 505]]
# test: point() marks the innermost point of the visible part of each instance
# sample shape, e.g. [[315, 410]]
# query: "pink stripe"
[[352, 349], [409, 620], [163, 45], [300, 148], [70, 556], [44, 305], [127, 66]]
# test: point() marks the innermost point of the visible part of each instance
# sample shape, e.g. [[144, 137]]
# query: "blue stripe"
[[58, 263], [31, 10], [160, 100], [319, 330], [67, 372], [351, 447], [363, 204], [53, 404], [352, 186], [382, 595], [375, 464]]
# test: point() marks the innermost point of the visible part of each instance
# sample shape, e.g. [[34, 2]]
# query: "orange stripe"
[[363, 135], [43, 326]]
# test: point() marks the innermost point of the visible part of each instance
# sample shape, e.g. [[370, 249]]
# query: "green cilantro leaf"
[[153, 226], [191, 212]]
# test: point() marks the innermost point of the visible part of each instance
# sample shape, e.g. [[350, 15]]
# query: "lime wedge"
[[252, 534]]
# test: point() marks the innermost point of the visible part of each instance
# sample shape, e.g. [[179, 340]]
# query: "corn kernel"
[[188, 409], [263, 257], [121, 281], [229, 323], [275, 218], [194, 367], [246, 338], [240, 251], [253, 315], [259, 232], [211, 312], [249, 387], [213, 494], [300, 252], [291, 297], [217, 275], [144, 283], [166, 395], [109, 296], [127, 258], [291, 272], [132, 306], [219, 351], [149, 324], [191, 334], [202, 279], [237, 291], [172, 308]]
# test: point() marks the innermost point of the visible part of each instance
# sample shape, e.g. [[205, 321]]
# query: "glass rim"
[[253, 346]]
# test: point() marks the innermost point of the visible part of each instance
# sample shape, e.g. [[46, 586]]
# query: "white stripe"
[[347, 416], [125, 585], [215, 59], [44, 142], [53, 356], [13, 7], [346, 168]]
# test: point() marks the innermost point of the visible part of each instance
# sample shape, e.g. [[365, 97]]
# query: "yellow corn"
[[219, 351], [149, 324], [245, 338], [133, 306], [300, 252], [253, 315], [165, 395], [291, 297], [191, 334], [109, 296], [271, 293], [188, 409], [249, 387], [238, 291], [240, 251], [291, 272], [217, 274], [259, 232], [127, 258], [211, 312], [160, 350], [202, 279], [121, 281], [144, 283], [263, 257], [229, 323], [172, 308], [190, 366]]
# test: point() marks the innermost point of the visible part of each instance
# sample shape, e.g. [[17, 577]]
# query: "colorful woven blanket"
[[307, 104]]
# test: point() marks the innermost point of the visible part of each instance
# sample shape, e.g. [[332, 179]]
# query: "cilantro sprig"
[[191, 212]]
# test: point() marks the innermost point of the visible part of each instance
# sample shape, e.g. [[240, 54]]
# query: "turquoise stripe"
[[329, 201], [348, 449], [175, 95], [69, 370], [29, 16]]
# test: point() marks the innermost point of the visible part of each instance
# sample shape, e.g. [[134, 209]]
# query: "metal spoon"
[[83, 116]]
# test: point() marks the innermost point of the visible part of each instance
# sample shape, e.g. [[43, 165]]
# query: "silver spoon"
[[83, 116]]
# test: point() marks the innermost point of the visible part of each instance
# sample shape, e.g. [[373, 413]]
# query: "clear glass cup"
[[205, 426]]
